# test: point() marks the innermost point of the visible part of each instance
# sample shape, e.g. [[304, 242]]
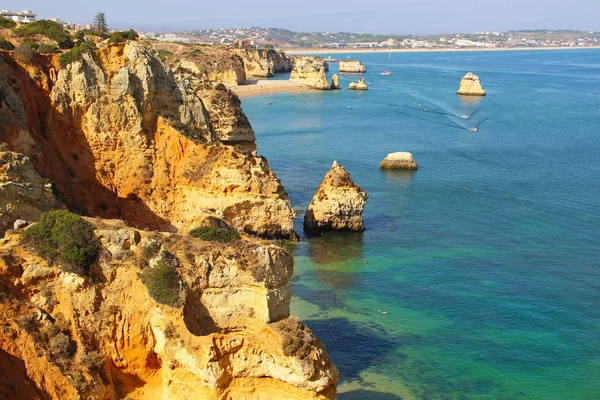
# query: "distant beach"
[[320, 50], [264, 87]]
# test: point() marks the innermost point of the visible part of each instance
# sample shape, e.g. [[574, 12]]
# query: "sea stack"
[[337, 205], [360, 85], [352, 67], [311, 72], [399, 160], [335, 82], [470, 86]]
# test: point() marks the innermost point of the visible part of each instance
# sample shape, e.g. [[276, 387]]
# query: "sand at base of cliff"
[[266, 87]]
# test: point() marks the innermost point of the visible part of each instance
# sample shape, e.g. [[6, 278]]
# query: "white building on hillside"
[[24, 16]]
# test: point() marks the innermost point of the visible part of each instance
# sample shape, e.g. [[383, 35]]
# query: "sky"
[[386, 17]]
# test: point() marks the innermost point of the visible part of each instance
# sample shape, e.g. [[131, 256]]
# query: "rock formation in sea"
[[310, 72], [264, 63], [352, 67], [147, 153], [360, 85], [335, 82], [399, 160], [337, 204], [470, 86]]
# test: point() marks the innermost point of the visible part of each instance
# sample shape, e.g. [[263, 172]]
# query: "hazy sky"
[[388, 16]]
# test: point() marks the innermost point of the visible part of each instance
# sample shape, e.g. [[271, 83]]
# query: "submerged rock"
[[470, 86], [337, 205], [399, 160], [360, 85], [352, 67]]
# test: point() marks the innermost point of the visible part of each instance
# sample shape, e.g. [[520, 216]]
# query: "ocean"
[[487, 258]]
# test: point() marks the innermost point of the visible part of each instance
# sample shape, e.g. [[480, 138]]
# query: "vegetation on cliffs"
[[25, 52], [162, 283], [215, 234], [7, 23], [100, 23], [46, 48], [65, 237], [6, 45], [74, 54], [50, 29]]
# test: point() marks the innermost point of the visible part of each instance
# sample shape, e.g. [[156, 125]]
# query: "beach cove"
[[485, 259]]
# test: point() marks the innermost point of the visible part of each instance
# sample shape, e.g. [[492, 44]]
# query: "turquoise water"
[[491, 292]]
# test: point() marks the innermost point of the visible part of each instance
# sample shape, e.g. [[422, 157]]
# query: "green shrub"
[[220, 86], [116, 37], [7, 23], [61, 346], [45, 48], [6, 45], [215, 234], [150, 250], [64, 236], [50, 29], [130, 34], [164, 53], [25, 52], [93, 361], [74, 54], [162, 283]]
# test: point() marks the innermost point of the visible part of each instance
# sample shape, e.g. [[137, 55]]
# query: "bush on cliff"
[[25, 52], [116, 37], [66, 237], [162, 283], [50, 29], [7, 23], [6, 45], [45, 48], [74, 54], [215, 234], [130, 34]]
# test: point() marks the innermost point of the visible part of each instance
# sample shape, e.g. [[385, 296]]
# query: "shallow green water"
[[491, 292]]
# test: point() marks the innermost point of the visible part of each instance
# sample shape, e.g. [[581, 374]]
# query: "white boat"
[[385, 73]]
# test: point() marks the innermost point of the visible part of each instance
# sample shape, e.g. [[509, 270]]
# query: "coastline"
[[320, 50]]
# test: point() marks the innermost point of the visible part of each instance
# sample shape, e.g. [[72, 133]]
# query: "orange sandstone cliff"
[[147, 154]]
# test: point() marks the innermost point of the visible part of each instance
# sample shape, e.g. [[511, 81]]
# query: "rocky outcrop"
[[24, 194], [352, 67], [263, 63], [310, 72], [399, 160], [337, 205], [335, 82], [213, 63], [122, 136], [470, 86], [103, 336], [360, 85]]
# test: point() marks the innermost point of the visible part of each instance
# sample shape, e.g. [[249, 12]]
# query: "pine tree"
[[100, 23]]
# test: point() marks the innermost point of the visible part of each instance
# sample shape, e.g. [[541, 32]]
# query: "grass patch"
[[162, 283], [50, 29], [163, 54], [215, 234], [7, 23], [66, 237]]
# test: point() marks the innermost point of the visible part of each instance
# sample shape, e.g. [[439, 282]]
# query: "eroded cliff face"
[[103, 337], [311, 72], [264, 63], [122, 136], [352, 67]]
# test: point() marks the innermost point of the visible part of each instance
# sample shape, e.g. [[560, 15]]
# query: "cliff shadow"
[[197, 318], [15, 382]]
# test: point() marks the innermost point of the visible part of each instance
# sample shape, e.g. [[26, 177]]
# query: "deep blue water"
[[491, 292]]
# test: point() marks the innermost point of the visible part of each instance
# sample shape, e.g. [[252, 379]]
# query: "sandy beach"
[[267, 87], [318, 50]]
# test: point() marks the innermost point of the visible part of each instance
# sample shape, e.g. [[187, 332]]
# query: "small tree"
[[100, 23], [25, 52]]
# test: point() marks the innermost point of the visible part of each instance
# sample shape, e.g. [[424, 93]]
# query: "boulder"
[[399, 160], [470, 86], [335, 83], [352, 67], [337, 205], [360, 85]]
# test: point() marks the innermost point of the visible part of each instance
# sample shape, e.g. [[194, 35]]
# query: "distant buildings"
[[24, 16], [244, 43]]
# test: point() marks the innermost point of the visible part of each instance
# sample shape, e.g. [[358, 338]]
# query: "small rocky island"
[[470, 86], [360, 85], [399, 160], [337, 205], [335, 82], [352, 67]]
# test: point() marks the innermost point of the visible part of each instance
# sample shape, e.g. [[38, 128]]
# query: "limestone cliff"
[[122, 136], [399, 160], [102, 336], [470, 86], [360, 85], [216, 63], [310, 72], [337, 204], [352, 67], [23, 192], [263, 63]]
